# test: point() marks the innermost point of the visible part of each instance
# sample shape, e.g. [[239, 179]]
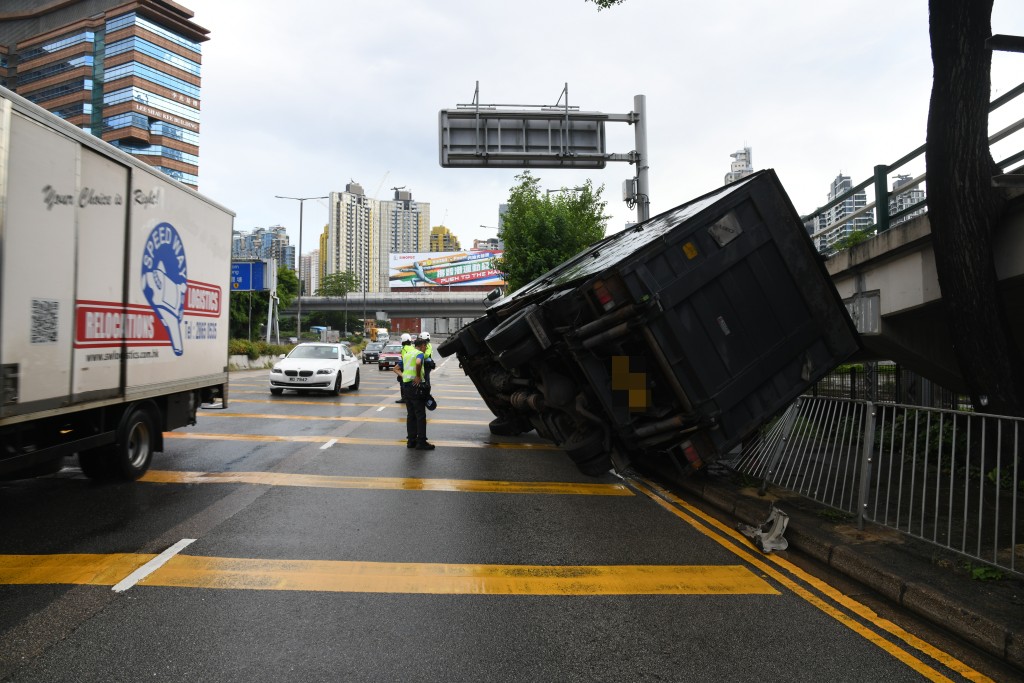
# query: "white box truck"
[[113, 300]]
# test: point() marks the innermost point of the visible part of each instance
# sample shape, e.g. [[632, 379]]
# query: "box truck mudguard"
[[675, 338]]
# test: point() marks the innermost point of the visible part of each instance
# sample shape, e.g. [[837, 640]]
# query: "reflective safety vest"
[[409, 355], [429, 351]]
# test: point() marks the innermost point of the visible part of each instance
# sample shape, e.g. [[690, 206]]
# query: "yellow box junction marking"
[[186, 571], [385, 483]]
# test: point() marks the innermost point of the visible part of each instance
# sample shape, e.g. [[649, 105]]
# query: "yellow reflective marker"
[[385, 483]]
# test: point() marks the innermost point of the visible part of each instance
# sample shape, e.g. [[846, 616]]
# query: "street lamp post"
[[298, 264]]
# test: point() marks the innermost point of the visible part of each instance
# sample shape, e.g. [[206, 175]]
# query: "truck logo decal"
[[165, 280]]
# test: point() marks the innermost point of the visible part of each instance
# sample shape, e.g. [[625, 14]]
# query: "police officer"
[[428, 356], [411, 372], [406, 344]]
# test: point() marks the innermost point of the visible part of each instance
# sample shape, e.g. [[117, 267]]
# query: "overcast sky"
[[300, 98]]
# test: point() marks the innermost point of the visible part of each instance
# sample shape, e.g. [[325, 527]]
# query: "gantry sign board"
[[488, 137], [249, 276]]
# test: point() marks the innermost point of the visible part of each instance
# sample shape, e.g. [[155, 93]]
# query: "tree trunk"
[[964, 208]]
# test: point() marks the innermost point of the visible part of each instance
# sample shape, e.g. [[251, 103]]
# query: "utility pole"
[[298, 264]]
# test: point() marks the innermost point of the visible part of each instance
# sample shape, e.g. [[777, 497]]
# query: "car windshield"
[[374, 347], [393, 349], [321, 352]]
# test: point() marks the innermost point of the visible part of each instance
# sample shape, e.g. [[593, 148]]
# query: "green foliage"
[[605, 4], [247, 311], [852, 239], [983, 572], [338, 284], [287, 286], [541, 230], [255, 349]]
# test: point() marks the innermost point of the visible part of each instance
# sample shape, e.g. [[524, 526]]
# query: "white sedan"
[[316, 367]]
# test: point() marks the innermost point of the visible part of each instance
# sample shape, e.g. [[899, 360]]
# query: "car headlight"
[[325, 371], [276, 371]]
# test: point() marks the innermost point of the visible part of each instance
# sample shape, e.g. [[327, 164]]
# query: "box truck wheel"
[[527, 350], [510, 331], [130, 456]]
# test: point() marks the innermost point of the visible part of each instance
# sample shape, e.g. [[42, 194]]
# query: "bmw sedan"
[[316, 367]]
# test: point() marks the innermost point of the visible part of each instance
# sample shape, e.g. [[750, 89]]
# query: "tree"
[[541, 231], [338, 284], [248, 310], [964, 208]]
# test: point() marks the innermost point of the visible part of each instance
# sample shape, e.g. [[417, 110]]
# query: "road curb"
[[920, 588]]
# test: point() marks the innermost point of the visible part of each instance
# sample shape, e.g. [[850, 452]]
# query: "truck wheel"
[[277, 392], [510, 331], [506, 426], [526, 351], [136, 441], [355, 384], [587, 451]]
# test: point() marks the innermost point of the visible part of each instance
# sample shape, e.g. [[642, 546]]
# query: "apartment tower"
[[128, 72]]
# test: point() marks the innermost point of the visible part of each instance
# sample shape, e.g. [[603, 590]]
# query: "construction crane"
[[381, 184]]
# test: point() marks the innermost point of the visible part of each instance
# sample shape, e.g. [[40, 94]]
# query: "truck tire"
[[587, 451], [508, 426], [136, 441], [129, 457], [527, 350], [510, 331]]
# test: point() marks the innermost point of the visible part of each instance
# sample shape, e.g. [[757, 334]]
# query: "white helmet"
[[425, 335], [406, 339]]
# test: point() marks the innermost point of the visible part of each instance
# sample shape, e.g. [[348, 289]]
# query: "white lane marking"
[[328, 444], [151, 566], [380, 409]]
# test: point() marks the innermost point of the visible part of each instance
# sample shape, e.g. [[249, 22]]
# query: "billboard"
[[445, 269]]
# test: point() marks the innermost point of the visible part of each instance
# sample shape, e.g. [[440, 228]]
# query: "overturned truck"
[[675, 338]]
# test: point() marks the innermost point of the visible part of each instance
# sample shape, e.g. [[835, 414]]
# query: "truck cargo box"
[[674, 338], [113, 296]]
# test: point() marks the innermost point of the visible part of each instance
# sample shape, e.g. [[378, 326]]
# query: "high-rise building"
[[309, 271], [364, 232], [264, 243], [858, 200], [899, 201], [126, 71], [742, 165], [442, 239]]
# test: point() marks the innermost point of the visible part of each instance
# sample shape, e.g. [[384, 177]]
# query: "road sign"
[[479, 137], [248, 276]]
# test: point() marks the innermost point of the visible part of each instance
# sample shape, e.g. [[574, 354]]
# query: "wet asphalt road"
[[320, 548]]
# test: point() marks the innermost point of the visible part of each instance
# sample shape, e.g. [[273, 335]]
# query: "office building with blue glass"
[[128, 72]]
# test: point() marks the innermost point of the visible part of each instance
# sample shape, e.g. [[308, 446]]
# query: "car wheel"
[[277, 392], [355, 383], [337, 385]]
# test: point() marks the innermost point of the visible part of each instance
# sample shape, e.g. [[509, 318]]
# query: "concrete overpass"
[[891, 289]]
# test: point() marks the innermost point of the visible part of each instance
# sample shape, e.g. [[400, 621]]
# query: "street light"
[[567, 189], [298, 265]]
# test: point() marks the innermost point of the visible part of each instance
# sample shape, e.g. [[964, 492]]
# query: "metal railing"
[[951, 478], [879, 208], [888, 382]]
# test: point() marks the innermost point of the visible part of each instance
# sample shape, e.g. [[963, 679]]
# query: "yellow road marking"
[[529, 446], [391, 395], [394, 406], [385, 483], [688, 513], [94, 570], [339, 418], [186, 571]]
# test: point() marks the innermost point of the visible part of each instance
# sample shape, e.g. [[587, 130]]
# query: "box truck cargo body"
[[113, 300], [675, 338]]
